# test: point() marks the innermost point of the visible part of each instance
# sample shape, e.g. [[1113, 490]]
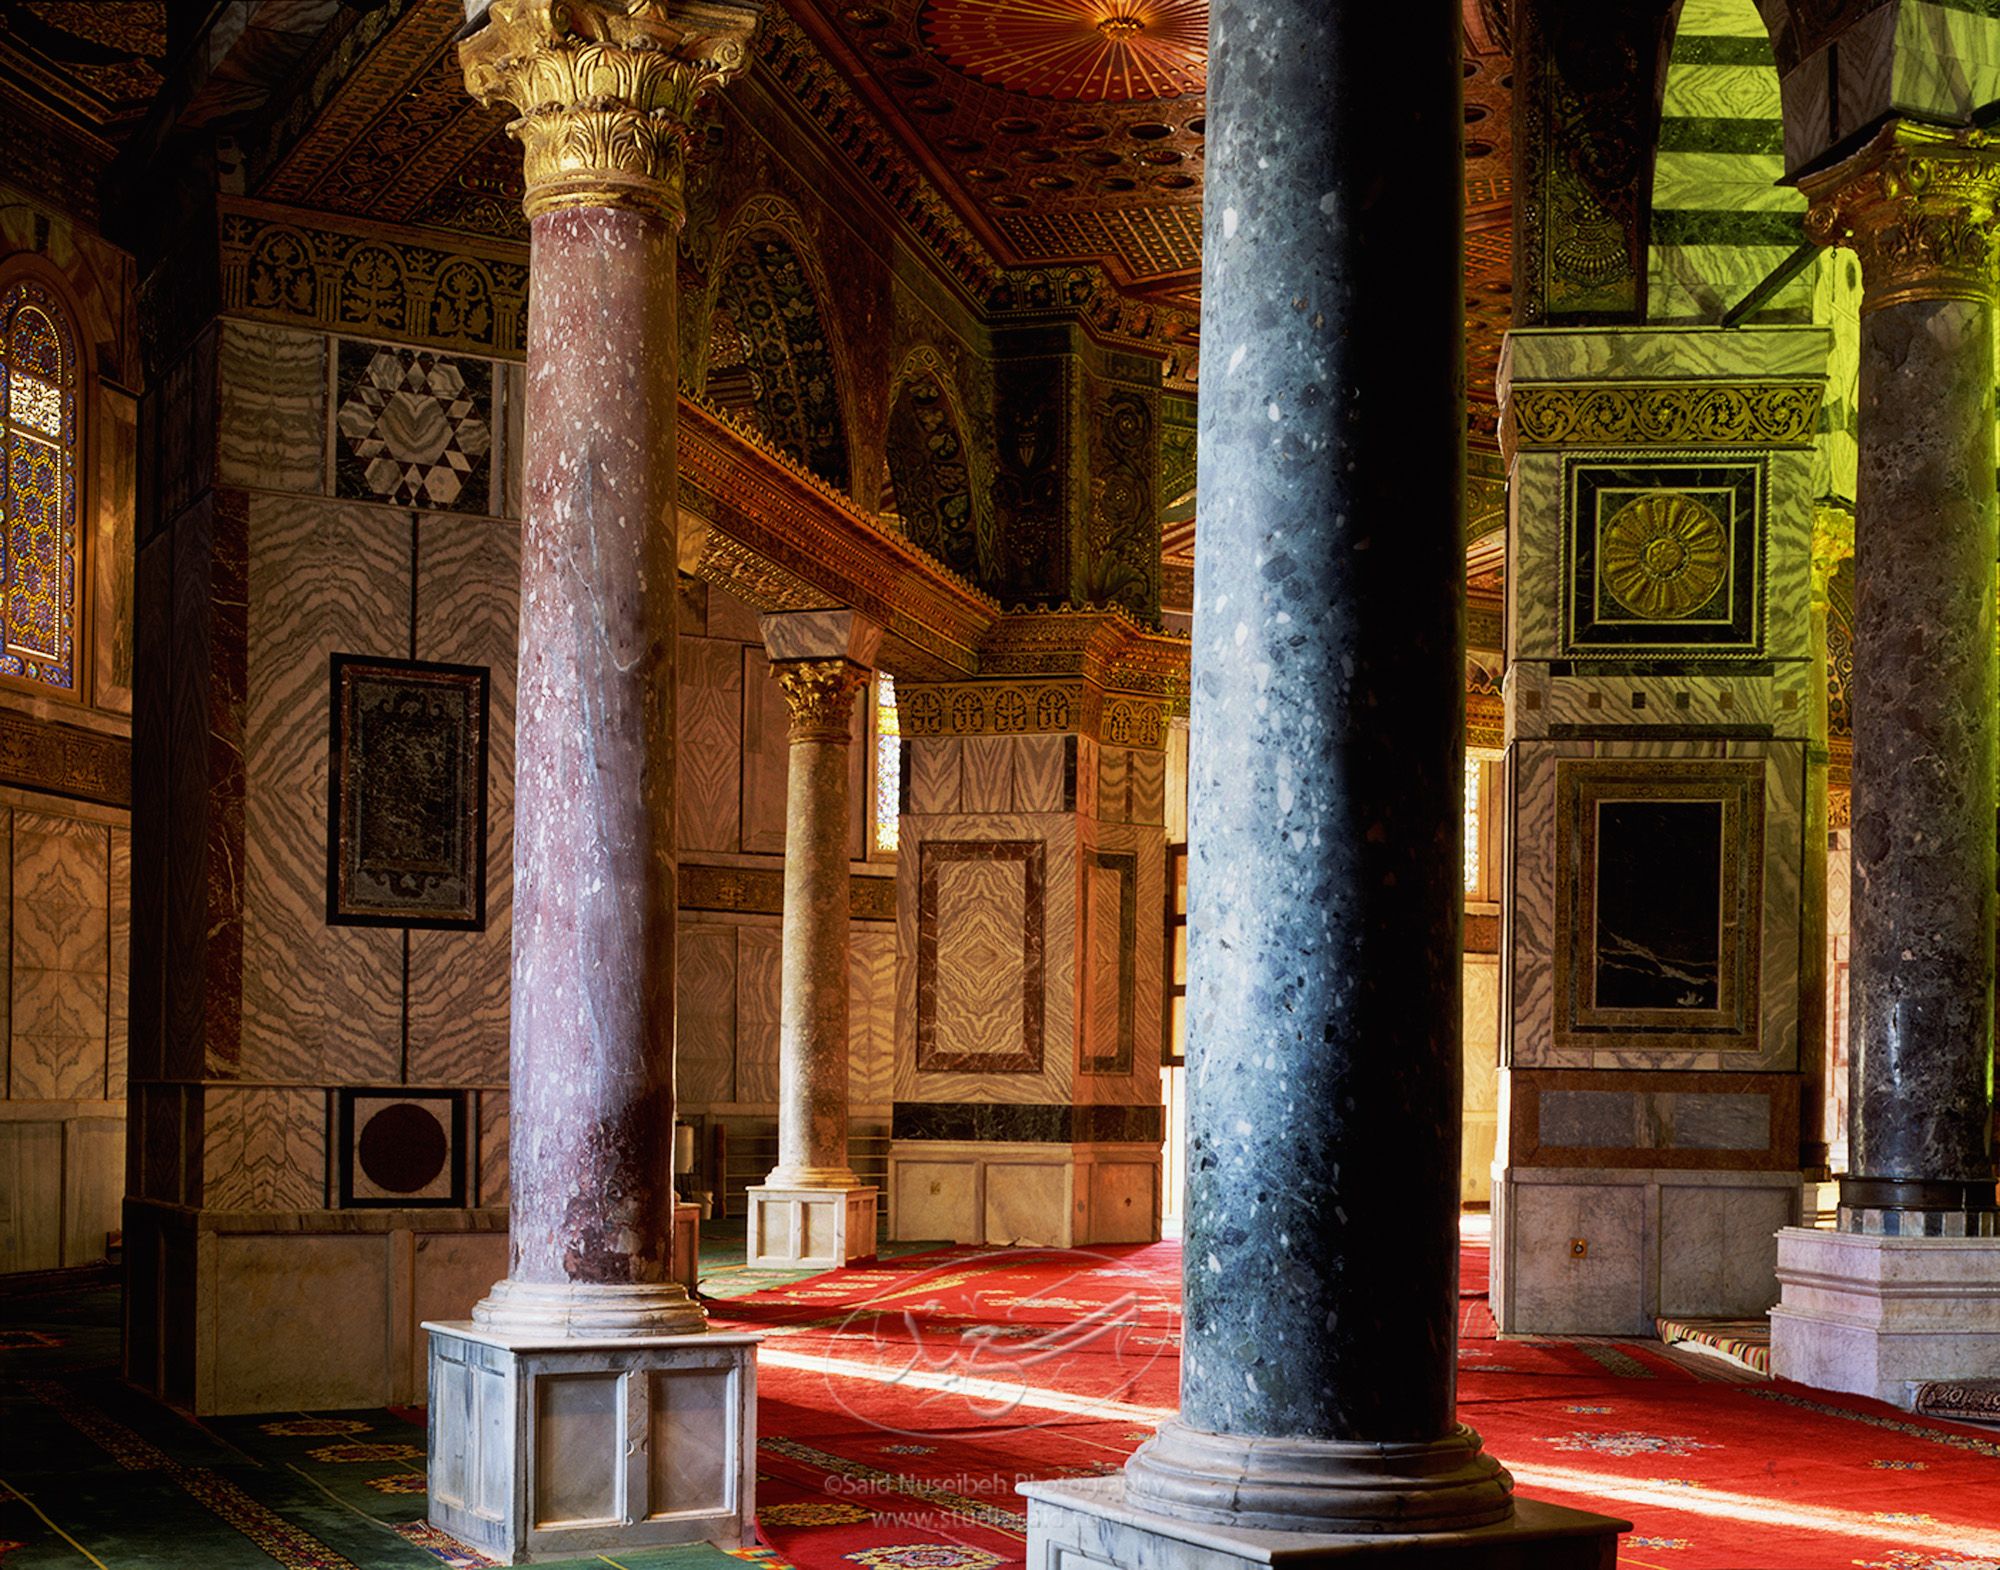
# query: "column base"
[[553, 1448], [1318, 1485], [810, 1228], [1094, 1524], [555, 1310], [1874, 1315]]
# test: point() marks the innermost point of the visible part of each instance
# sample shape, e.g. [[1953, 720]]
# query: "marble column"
[[1326, 768], [812, 1210], [1918, 206], [606, 91]]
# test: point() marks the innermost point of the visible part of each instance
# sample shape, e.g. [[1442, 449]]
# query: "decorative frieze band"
[[758, 891], [1760, 415], [1006, 708], [65, 760]]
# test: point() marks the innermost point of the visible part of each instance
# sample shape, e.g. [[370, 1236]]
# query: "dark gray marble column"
[[1326, 765], [1918, 207]]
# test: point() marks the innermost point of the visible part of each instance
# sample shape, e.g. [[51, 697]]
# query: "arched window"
[[40, 550]]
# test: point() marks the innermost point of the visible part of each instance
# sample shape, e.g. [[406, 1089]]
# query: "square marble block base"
[[1869, 1314], [554, 1449], [810, 1228], [1087, 1525]]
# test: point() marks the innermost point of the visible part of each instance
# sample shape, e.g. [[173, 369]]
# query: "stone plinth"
[[1870, 1314], [1090, 1525], [810, 1228], [557, 1447]]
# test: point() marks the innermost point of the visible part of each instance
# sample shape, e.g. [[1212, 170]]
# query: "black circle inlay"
[[402, 1148]]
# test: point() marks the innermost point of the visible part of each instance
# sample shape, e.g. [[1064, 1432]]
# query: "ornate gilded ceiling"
[[97, 62]]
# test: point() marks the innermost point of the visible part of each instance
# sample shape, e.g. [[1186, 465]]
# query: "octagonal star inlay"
[[415, 427], [1083, 51]]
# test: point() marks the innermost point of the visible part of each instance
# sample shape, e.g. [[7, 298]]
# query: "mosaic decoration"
[[40, 547], [413, 428], [402, 1149], [1081, 51], [1660, 869], [782, 355], [1664, 556], [933, 485], [406, 803]]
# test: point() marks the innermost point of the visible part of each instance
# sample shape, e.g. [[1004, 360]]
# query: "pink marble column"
[[605, 93]]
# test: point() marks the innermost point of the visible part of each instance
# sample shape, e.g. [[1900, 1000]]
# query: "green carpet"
[[94, 1474]]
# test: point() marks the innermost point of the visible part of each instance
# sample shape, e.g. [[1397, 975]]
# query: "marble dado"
[[1692, 1121], [1028, 1122]]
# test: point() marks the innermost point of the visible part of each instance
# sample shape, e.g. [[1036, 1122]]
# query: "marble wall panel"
[[1148, 774], [319, 1002], [936, 773], [272, 433], [1687, 699], [467, 605], [766, 756], [264, 1149], [512, 384], [988, 774], [1140, 1084], [871, 1021], [191, 812], [59, 972], [1645, 354], [711, 744], [983, 976], [6, 962], [1114, 794], [729, 618], [1531, 793], [1534, 501], [1084, 778], [1719, 1248], [757, 974], [1041, 764], [705, 1016], [1788, 557], [150, 700], [1784, 850], [494, 1132], [31, 1183]]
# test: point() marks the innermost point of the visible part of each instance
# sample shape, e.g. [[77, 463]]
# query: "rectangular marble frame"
[[1738, 788], [933, 855]]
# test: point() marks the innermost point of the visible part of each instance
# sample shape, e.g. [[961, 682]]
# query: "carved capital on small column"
[[607, 91], [820, 696], [1917, 205]]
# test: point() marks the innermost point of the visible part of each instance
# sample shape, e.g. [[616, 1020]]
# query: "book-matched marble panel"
[[705, 1016], [766, 755], [495, 1130], [710, 759], [319, 1002], [118, 1007], [272, 431], [871, 1020], [1042, 766], [757, 962], [264, 1148], [467, 604]]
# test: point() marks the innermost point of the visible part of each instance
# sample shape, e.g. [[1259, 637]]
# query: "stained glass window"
[[888, 764], [39, 549]]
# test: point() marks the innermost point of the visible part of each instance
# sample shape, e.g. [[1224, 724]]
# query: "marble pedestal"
[[1088, 1525], [552, 1448], [810, 1228], [1870, 1315]]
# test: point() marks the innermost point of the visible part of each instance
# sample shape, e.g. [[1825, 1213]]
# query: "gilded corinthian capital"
[[820, 696], [606, 91], [1917, 205]]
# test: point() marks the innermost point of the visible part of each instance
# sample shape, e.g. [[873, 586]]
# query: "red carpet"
[[901, 1404]]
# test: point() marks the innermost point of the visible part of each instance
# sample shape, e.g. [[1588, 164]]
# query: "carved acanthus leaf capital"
[[1832, 544], [606, 91], [820, 696], [1918, 206]]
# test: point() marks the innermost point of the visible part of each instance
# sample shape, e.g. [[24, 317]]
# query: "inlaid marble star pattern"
[[413, 428]]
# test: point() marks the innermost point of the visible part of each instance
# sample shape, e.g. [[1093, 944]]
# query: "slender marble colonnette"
[[812, 1008], [605, 94], [1317, 1384], [1918, 205]]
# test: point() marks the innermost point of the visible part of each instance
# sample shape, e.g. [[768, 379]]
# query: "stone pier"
[[1317, 1412], [811, 1212], [591, 1340], [1903, 1291]]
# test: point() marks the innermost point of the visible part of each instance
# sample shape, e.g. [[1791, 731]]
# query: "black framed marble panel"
[[1659, 904], [981, 974], [398, 1148], [412, 427], [406, 794], [1663, 556]]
